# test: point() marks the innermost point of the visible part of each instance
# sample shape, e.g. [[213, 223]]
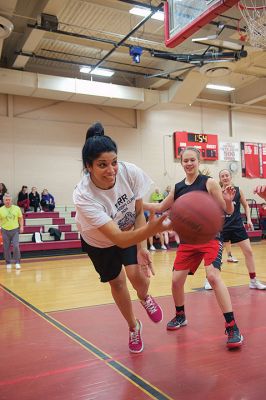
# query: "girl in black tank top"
[[189, 257], [235, 232], [199, 184]]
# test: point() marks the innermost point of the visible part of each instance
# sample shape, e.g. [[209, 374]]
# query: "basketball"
[[196, 217]]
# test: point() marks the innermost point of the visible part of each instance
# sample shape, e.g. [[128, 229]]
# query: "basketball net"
[[254, 13]]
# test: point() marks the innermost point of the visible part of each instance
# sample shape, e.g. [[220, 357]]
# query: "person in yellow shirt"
[[11, 222], [156, 196]]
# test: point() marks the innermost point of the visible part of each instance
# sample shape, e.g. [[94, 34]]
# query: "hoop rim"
[[254, 8]]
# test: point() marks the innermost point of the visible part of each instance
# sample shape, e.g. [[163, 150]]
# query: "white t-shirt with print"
[[95, 207]]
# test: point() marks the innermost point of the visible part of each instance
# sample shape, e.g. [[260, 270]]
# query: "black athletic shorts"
[[108, 261], [234, 236]]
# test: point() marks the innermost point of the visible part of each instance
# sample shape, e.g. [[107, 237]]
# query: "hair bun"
[[95, 130]]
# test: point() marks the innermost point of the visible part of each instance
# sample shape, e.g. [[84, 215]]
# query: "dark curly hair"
[[4, 188], [96, 143]]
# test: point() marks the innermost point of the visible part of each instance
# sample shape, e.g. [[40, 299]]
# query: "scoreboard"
[[205, 143]]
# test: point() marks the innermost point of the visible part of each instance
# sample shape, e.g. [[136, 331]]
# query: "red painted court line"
[[193, 358], [192, 362], [41, 375], [58, 360]]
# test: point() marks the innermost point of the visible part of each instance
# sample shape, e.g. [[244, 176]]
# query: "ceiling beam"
[[230, 104], [32, 37], [253, 93]]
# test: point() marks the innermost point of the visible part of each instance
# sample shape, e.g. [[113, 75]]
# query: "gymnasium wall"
[[41, 140]]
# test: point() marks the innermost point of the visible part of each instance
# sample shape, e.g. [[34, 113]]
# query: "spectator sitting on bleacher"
[[235, 232], [167, 191], [34, 199], [162, 244], [170, 235], [157, 236], [156, 196], [3, 190], [23, 199], [47, 201]]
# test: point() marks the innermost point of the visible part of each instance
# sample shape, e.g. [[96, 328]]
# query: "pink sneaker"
[[153, 309], [135, 342]]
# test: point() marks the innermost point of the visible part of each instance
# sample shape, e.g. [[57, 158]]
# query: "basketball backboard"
[[185, 17]]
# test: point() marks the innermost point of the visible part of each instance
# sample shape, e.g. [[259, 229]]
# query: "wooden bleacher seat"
[[46, 237]]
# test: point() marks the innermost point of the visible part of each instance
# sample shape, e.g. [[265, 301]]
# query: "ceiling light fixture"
[[97, 71], [85, 70], [144, 12], [220, 87], [102, 72], [159, 15]]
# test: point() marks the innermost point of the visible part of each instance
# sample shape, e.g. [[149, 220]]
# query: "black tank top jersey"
[[199, 184], [234, 221]]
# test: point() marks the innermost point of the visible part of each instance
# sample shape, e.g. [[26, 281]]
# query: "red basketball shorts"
[[189, 256]]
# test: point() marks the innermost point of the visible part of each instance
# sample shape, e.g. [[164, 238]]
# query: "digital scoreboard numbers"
[[205, 143], [197, 138]]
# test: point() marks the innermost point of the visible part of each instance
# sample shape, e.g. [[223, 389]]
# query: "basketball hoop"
[[254, 13]]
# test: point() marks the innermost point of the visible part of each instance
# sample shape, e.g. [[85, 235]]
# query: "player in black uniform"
[[189, 257], [235, 232]]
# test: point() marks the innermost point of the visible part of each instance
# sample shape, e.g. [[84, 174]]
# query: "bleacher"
[[62, 218]]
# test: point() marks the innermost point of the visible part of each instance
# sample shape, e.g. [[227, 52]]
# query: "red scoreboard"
[[206, 144]]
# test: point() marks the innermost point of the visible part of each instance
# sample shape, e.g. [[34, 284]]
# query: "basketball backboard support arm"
[[201, 58], [183, 17]]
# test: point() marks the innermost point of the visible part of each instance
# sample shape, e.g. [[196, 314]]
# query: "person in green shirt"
[[11, 222], [156, 196]]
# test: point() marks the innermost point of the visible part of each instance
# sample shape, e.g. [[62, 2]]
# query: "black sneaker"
[[235, 338], [178, 321]]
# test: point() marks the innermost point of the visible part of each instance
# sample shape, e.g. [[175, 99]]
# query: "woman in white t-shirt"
[[110, 218]]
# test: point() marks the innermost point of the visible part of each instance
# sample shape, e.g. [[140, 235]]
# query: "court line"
[[151, 390]]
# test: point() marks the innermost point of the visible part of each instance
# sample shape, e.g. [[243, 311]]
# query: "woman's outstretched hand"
[[229, 193], [260, 191], [158, 224]]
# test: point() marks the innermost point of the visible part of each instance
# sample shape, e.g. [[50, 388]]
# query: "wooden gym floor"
[[63, 338]]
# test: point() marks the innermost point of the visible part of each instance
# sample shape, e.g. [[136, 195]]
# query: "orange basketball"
[[196, 217]]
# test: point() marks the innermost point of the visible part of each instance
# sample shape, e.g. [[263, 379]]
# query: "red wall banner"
[[263, 160], [253, 157]]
